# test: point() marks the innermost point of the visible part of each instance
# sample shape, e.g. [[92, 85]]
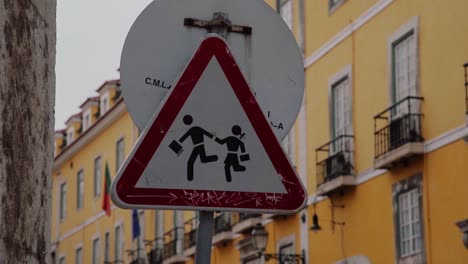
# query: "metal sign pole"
[[204, 237], [219, 25]]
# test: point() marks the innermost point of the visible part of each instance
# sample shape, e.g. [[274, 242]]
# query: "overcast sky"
[[90, 37]]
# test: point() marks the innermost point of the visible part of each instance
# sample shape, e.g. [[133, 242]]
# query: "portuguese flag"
[[106, 203]]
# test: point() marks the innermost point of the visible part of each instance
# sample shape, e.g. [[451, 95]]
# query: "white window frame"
[[409, 216], [118, 242], [119, 153], [96, 253], [63, 200], [104, 103], [62, 259], [70, 135], [286, 241], [107, 246], [80, 189], [345, 74], [411, 187], [86, 120], [286, 11], [79, 249], [410, 28], [97, 177]]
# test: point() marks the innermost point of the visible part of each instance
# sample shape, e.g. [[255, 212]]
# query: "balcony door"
[[341, 115], [405, 122], [404, 75]]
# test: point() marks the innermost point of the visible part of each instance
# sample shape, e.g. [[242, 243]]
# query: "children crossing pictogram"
[[197, 134], [233, 144]]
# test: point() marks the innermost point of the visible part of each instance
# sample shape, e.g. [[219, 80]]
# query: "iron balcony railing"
[[245, 216], [156, 249], [190, 236], [155, 256], [334, 159], [466, 87], [190, 239], [398, 125], [222, 223], [170, 247]]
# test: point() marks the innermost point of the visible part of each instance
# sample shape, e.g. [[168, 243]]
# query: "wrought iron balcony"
[[190, 239], [190, 236], [338, 159], [170, 246], [246, 216], [155, 256], [334, 161], [397, 126], [170, 249], [244, 222], [222, 223]]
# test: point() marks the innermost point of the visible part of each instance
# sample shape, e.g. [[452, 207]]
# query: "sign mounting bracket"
[[220, 24]]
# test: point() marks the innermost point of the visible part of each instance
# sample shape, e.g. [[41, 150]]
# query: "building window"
[[86, 120], [403, 58], [79, 256], [96, 251], [62, 260], [341, 108], [70, 135], [119, 154], [63, 200], [287, 249], [118, 244], [410, 227], [285, 9], [403, 71], [407, 218], [104, 103], [79, 189], [334, 4], [106, 247], [97, 176]]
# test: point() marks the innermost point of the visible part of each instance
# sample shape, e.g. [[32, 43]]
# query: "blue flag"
[[135, 225]]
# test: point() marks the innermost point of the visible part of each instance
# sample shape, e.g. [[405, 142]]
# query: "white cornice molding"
[[446, 138], [87, 222], [90, 134], [346, 32]]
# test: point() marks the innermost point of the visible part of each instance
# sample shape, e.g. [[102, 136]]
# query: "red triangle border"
[[127, 196]]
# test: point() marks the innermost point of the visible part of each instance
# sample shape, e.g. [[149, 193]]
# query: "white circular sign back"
[[158, 47]]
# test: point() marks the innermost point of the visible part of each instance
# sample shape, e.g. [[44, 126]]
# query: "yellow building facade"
[[380, 144], [386, 112]]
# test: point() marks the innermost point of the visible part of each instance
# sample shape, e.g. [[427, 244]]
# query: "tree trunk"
[[27, 94]]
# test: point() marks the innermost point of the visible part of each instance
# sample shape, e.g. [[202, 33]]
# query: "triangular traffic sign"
[[209, 146]]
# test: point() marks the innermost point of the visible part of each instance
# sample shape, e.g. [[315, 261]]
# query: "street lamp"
[[259, 241]]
